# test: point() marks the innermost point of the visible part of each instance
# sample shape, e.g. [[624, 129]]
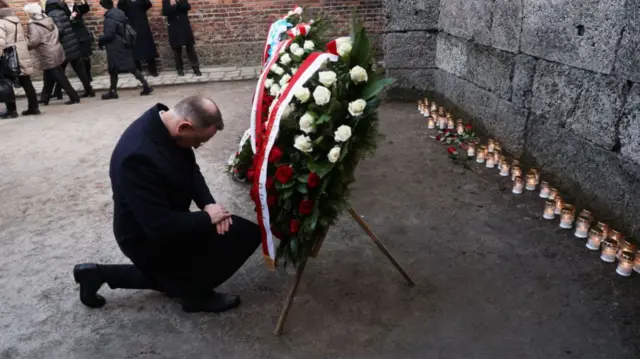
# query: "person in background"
[[145, 48], [180, 33], [119, 56], [61, 16], [48, 54], [12, 34]]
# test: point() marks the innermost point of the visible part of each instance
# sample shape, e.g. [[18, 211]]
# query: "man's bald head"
[[201, 111]]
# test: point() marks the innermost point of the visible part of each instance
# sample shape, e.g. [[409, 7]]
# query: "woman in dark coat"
[[180, 33], [61, 16], [145, 48], [119, 55]]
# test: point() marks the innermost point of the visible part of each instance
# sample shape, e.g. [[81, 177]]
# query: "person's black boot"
[[89, 276], [111, 95], [9, 114], [90, 93], [196, 71], [31, 112], [180, 72], [213, 303], [72, 102], [146, 90], [153, 73]]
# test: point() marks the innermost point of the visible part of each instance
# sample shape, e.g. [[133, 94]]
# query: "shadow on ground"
[[494, 279]]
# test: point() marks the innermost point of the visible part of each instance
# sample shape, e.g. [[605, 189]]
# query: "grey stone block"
[[629, 129], [478, 103], [581, 33], [588, 173], [411, 50], [508, 126], [490, 69], [468, 19], [523, 73], [451, 54], [587, 103], [418, 80], [409, 15], [450, 86], [506, 24], [628, 57]]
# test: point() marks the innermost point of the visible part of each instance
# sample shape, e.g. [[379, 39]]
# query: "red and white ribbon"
[[306, 70], [334, 45], [299, 30], [258, 96]]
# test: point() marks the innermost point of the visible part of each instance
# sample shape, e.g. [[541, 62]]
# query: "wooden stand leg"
[[381, 246], [289, 301]]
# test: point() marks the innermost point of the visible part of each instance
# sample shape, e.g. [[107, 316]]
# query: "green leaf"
[[302, 188], [289, 184], [302, 178], [343, 153], [324, 118], [321, 168], [318, 140], [313, 219], [374, 88], [288, 194]]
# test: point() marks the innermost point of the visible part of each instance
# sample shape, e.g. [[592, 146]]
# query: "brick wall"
[[232, 32]]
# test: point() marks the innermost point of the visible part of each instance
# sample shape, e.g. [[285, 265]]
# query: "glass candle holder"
[[559, 204], [490, 161], [481, 154], [625, 246], [609, 248], [496, 156], [505, 169], [442, 122], [497, 146], [567, 216], [625, 264], [553, 192], [531, 182], [536, 172], [615, 235], [544, 189], [471, 150], [491, 145], [518, 185], [549, 210], [515, 162], [515, 172], [586, 214], [604, 229], [460, 129], [636, 263], [431, 124], [595, 238], [434, 107], [582, 227], [441, 111], [450, 124]]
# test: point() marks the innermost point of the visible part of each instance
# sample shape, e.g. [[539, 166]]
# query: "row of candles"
[[600, 237]]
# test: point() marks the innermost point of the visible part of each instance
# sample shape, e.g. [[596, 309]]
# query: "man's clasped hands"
[[219, 216]]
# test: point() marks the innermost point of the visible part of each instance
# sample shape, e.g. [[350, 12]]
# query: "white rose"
[[309, 45], [303, 143], [327, 78], [285, 59], [268, 83], [322, 95], [297, 10], [285, 80], [298, 52], [302, 94], [356, 108], [342, 134], [294, 70], [279, 70], [294, 47], [306, 123], [343, 46], [274, 90], [358, 74], [288, 110], [334, 154], [274, 68]]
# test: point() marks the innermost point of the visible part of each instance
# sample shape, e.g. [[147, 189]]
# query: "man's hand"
[[173, 2], [219, 216]]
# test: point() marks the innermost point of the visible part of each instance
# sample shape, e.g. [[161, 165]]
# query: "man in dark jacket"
[[60, 14], [119, 54], [180, 33], [145, 48], [154, 178]]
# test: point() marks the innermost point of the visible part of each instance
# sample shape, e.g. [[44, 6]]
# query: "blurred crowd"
[[57, 36]]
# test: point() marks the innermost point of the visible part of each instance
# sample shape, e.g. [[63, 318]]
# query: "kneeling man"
[[154, 178]]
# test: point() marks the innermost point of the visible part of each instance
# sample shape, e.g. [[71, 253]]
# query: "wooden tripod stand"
[[301, 265]]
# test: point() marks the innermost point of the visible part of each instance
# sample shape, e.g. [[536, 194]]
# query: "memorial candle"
[[460, 128], [582, 227], [625, 246], [625, 264], [586, 214], [549, 210], [504, 168], [480, 155], [531, 182], [567, 216], [431, 124], [515, 172], [544, 189], [604, 229], [497, 146], [496, 156], [553, 193], [536, 172], [491, 145], [450, 124], [595, 238], [434, 107], [490, 161], [518, 185], [609, 248], [559, 204], [471, 150]]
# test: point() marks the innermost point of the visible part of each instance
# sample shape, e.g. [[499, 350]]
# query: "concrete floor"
[[494, 280]]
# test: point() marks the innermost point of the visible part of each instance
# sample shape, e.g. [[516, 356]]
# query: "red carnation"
[[275, 155], [306, 206], [294, 226], [284, 174], [270, 182], [468, 127], [272, 200], [451, 150], [438, 137], [313, 180]]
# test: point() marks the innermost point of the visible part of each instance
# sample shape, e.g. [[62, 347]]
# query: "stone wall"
[[232, 32], [555, 81]]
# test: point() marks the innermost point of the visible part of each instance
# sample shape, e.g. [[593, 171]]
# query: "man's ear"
[[185, 126]]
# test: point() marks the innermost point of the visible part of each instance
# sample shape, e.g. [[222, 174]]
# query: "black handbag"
[[6, 91], [9, 63]]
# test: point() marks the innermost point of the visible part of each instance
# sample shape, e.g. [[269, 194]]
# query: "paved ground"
[[494, 280], [166, 78]]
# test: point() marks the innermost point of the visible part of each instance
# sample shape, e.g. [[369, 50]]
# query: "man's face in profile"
[[189, 136]]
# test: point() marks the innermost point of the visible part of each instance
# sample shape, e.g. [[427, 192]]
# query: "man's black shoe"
[[214, 303], [89, 277]]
